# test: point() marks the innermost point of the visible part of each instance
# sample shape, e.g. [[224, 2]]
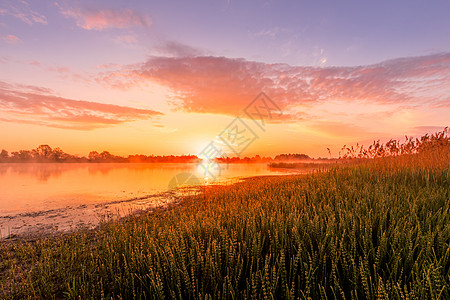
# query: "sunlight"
[[209, 170]]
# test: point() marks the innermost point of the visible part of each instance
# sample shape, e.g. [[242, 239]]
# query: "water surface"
[[66, 195]]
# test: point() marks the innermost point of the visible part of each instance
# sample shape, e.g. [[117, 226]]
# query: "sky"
[[232, 77]]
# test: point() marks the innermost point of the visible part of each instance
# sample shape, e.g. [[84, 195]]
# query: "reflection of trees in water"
[[42, 172], [3, 168], [104, 169], [46, 171]]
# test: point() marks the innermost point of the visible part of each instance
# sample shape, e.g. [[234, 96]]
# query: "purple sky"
[[294, 32]]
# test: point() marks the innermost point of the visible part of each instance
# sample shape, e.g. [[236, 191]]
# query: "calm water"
[[42, 187]]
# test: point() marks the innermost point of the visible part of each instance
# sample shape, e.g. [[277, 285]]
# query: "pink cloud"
[[11, 39], [34, 63], [107, 66], [100, 19], [126, 39], [226, 85], [37, 105], [59, 69], [22, 11]]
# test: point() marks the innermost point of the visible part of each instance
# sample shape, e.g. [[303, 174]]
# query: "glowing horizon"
[[168, 78]]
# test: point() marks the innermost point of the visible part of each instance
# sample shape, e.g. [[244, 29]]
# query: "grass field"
[[376, 226]]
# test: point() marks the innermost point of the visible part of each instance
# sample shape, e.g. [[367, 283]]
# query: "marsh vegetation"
[[374, 227]]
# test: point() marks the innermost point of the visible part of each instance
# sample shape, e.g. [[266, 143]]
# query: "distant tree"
[[94, 155], [14, 156], [25, 155], [292, 157], [105, 155], [59, 155], [43, 152], [4, 155]]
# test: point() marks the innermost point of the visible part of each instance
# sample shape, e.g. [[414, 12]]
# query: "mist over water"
[[35, 187], [65, 194]]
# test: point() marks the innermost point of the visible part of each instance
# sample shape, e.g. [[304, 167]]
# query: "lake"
[[51, 196]]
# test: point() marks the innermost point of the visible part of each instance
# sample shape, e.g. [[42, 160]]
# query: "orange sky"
[[98, 77]]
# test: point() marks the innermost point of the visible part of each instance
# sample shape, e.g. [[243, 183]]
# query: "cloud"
[[126, 39], [226, 85], [34, 63], [100, 19], [63, 72], [22, 11], [107, 66], [338, 129], [11, 39], [176, 49], [421, 130], [38, 105], [268, 32]]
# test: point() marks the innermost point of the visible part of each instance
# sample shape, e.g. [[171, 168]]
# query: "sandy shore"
[[87, 216]]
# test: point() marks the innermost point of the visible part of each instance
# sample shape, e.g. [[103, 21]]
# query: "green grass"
[[374, 230]]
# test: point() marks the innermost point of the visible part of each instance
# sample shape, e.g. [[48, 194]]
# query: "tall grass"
[[378, 229]]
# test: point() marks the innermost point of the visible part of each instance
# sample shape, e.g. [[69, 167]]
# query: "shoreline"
[[47, 223], [54, 222]]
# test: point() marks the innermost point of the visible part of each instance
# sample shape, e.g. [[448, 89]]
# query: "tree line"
[[47, 154]]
